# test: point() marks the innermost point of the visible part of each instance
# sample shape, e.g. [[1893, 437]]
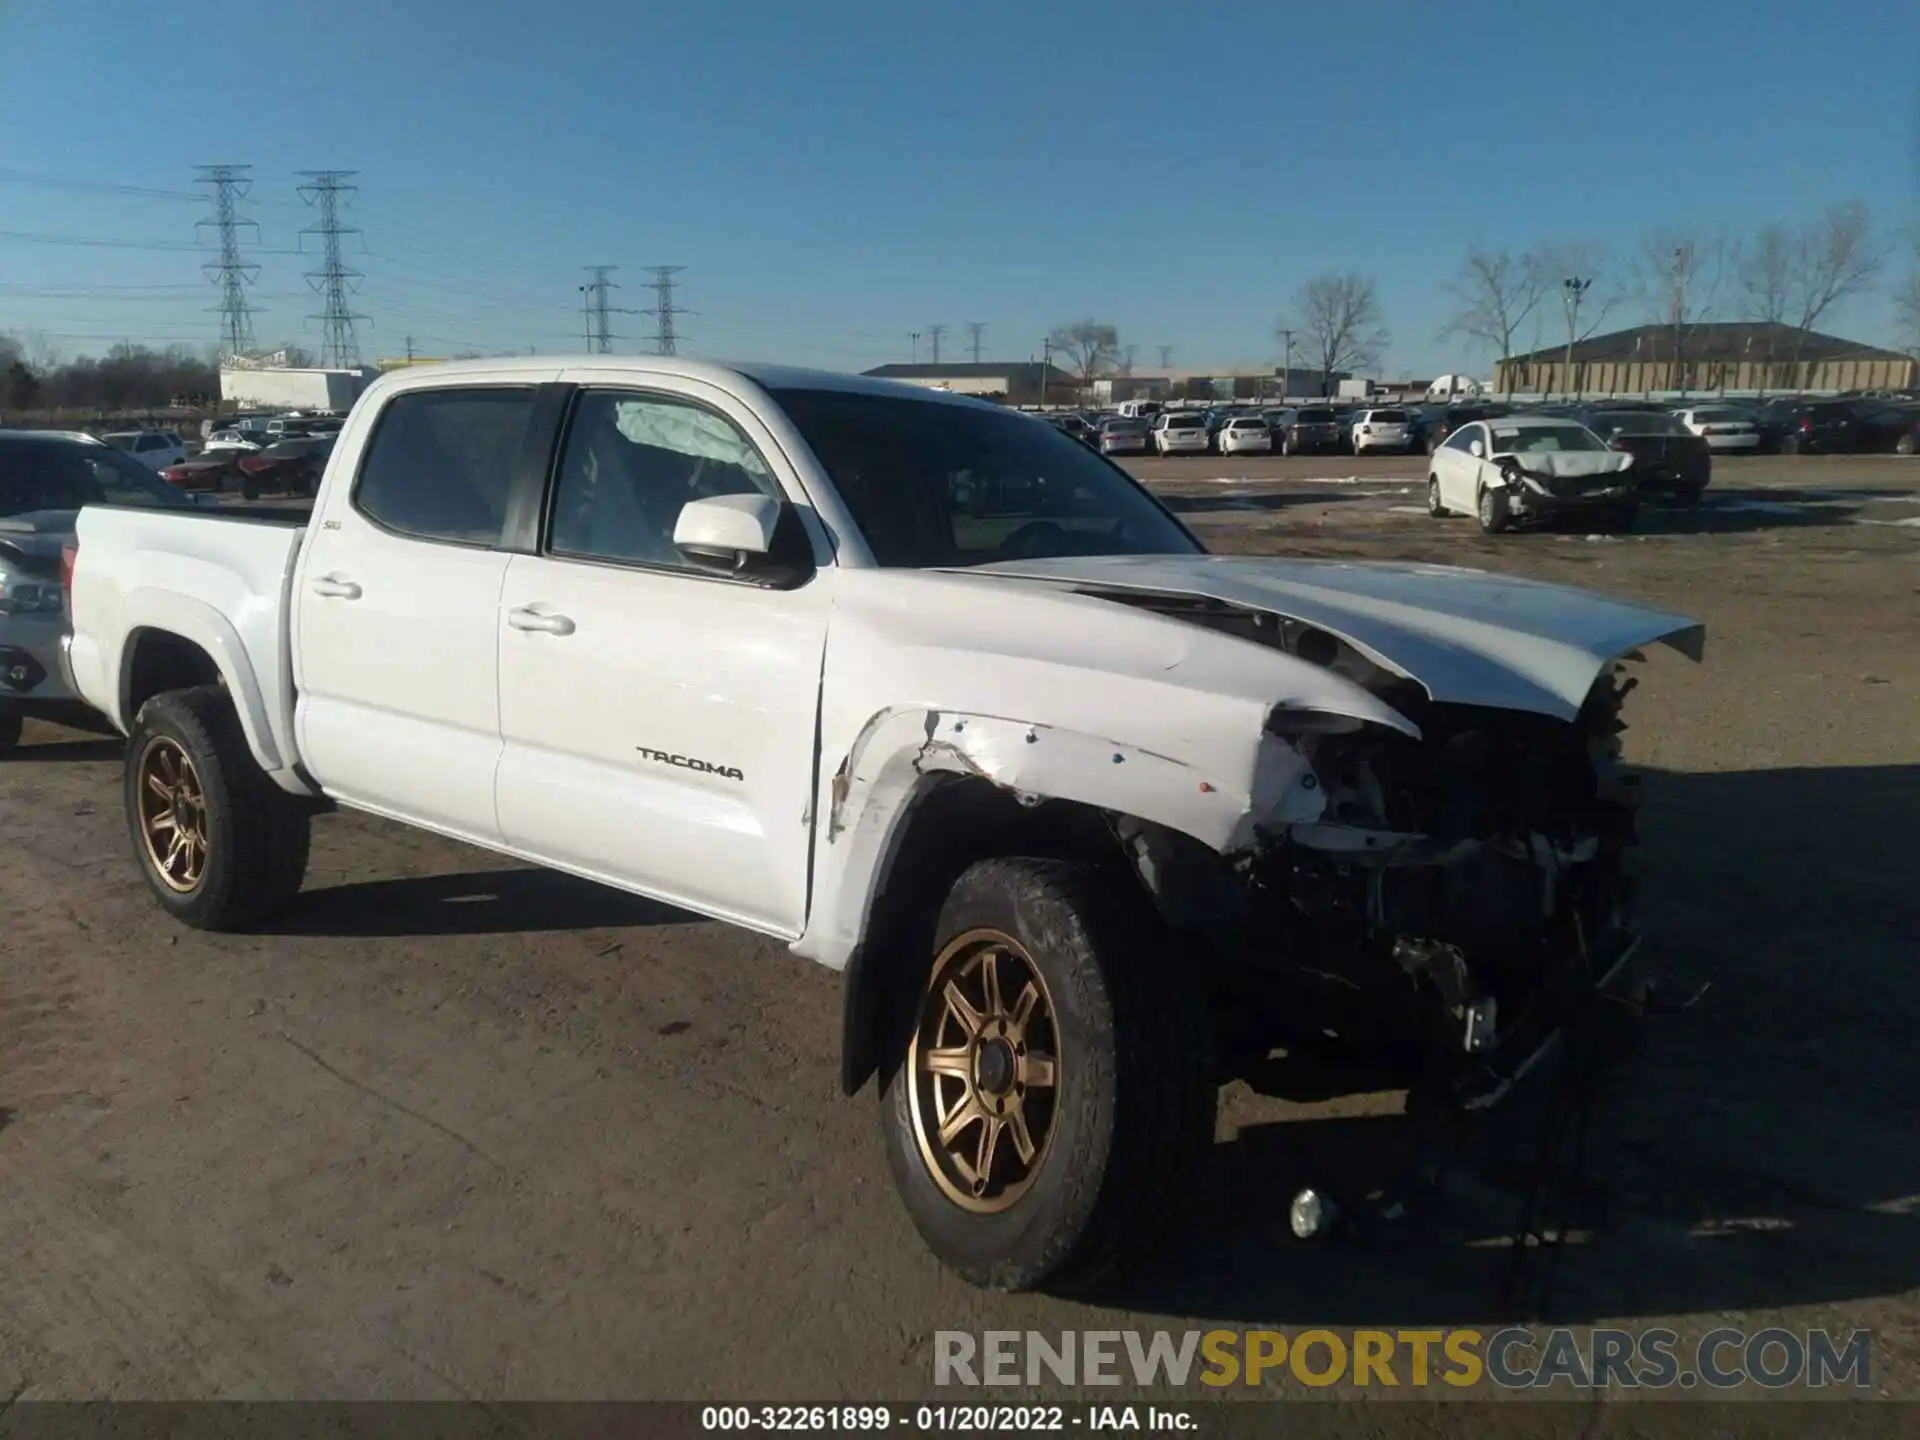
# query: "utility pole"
[[326, 190], [975, 329], [934, 332], [665, 342], [1166, 357], [230, 185], [1046, 368], [1682, 263], [1286, 363], [1573, 288], [409, 349], [1126, 360], [915, 336]]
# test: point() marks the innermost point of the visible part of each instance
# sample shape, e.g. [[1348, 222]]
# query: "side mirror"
[[754, 537], [1476, 449]]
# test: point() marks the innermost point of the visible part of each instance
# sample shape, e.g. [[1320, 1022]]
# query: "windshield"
[[60, 476], [1316, 417], [1718, 417], [934, 483], [1185, 422], [1388, 417], [1542, 439]]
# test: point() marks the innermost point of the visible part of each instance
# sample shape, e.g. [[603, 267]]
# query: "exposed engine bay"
[[1457, 895]]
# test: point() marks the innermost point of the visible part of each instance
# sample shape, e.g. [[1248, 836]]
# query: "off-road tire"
[[1134, 1115], [10, 727], [257, 834], [1494, 511]]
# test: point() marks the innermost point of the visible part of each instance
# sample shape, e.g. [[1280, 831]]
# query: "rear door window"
[[441, 463]]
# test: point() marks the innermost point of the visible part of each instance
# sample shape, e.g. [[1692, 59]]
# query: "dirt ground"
[[463, 1129]]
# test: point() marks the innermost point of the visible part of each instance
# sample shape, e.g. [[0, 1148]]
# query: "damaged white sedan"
[[1092, 820], [1519, 469]]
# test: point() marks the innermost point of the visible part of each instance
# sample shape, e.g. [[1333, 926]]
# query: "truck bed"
[[219, 577]]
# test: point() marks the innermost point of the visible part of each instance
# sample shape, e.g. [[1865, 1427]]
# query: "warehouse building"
[[1025, 383], [1733, 355]]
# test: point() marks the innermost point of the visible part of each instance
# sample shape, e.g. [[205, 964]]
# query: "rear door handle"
[[336, 589], [527, 618]]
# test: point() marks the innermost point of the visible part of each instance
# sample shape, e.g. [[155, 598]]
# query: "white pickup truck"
[[1090, 819]]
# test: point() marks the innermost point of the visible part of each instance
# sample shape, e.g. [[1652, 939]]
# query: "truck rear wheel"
[[220, 844], [1054, 1098]]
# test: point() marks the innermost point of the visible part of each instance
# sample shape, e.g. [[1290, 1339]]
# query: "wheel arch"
[[177, 642], [924, 794]]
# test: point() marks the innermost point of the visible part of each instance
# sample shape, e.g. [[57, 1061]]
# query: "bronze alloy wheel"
[[983, 1069], [173, 815]]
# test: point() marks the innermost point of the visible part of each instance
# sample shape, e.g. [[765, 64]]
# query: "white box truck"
[[292, 389]]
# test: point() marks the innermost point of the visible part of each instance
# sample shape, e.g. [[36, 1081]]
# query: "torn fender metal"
[[875, 788]]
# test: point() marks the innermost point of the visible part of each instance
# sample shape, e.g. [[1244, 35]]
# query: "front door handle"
[[336, 589], [527, 618]]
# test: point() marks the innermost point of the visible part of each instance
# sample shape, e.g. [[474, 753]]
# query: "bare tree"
[[1765, 275], [1906, 309], [1086, 349], [1791, 276], [1681, 279], [1339, 316], [1494, 293]]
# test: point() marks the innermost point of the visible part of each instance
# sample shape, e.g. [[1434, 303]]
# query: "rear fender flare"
[[202, 625]]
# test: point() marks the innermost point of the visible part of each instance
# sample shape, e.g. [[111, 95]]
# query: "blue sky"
[[839, 174]]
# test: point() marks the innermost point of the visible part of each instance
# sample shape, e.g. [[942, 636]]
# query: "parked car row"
[[291, 466], [1785, 425]]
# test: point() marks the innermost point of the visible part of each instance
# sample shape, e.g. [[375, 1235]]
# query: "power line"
[[665, 342], [934, 332], [975, 329], [334, 281], [230, 185]]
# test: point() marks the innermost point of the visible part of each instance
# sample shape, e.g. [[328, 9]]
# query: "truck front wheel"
[[220, 844], [1054, 1098]]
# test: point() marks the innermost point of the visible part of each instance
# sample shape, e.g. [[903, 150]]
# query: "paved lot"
[[464, 1129]]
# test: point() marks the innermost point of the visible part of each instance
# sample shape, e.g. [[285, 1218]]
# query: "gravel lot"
[[467, 1129]]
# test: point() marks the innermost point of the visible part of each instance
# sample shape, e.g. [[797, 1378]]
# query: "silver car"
[[44, 480]]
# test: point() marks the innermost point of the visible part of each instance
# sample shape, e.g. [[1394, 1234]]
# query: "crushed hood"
[[1466, 636], [1570, 464]]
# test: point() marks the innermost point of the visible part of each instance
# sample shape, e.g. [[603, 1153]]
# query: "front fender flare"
[[901, 754]]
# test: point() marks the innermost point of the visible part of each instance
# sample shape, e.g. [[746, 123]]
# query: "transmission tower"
[[936, 331], [1166, 357], [334, 281], [665, 342], [597, 309], [975, 329], [230, 185]]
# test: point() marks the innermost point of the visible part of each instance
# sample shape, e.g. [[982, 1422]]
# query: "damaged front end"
[[1434, 928]]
